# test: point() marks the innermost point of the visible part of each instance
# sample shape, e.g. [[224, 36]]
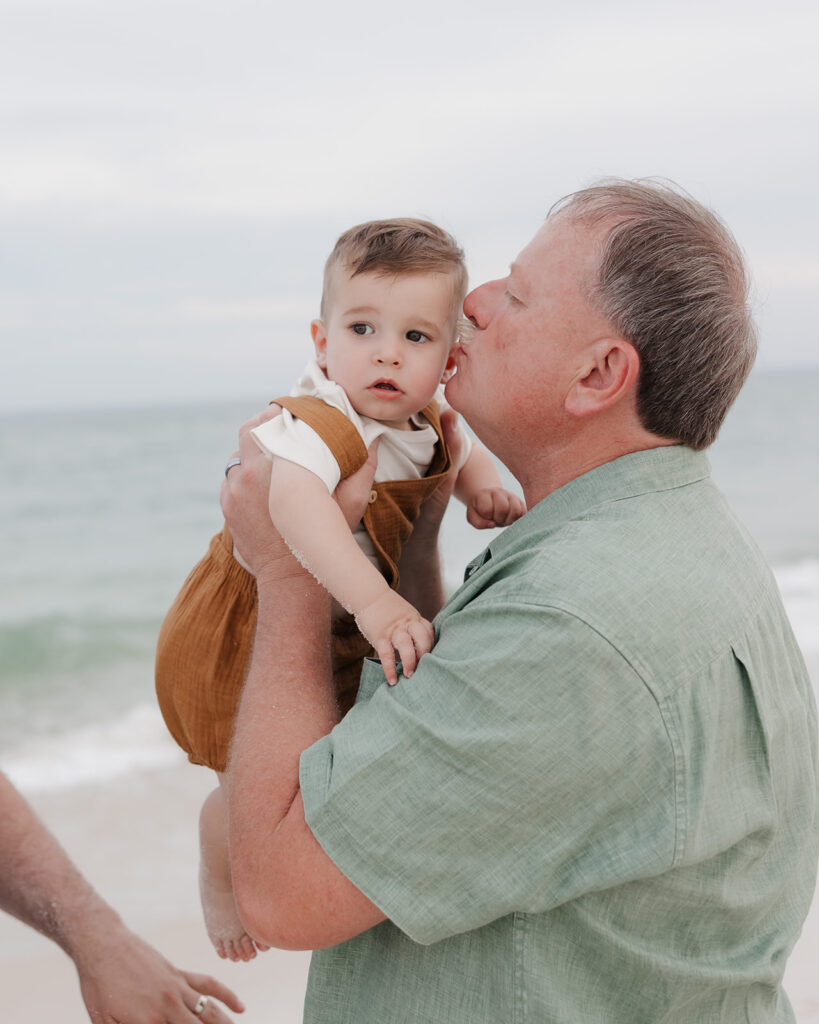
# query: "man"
[[122, 978], [595, 800]]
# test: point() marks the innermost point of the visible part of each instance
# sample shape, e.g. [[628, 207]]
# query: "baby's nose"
[[390, 352]]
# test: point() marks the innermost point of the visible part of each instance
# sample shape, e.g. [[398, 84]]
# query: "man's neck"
[[556, 465]]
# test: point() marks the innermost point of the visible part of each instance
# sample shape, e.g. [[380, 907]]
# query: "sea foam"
[[138, 740], [93, 753]]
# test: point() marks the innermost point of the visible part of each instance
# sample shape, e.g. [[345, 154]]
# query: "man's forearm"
[[287, 701], [287, 704], [38, 883], [289, 893]]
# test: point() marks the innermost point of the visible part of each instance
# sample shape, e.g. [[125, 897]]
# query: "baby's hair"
[[400, 246]]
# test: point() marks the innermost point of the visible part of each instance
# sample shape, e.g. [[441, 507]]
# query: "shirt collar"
[[644, 472]]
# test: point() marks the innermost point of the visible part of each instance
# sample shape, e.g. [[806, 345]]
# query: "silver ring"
[[235, 461], [202, 1001]]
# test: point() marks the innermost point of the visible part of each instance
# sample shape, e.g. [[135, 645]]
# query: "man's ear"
[[449, 368], [319, 334], [609, 374]]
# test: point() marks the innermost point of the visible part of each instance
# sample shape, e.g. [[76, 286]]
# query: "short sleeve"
[[290, 438], [512, 772]]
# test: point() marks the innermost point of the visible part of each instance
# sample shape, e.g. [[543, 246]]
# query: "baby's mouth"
[[385, 385]]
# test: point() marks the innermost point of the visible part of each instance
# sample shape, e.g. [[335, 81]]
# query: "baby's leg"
[[222, 920]]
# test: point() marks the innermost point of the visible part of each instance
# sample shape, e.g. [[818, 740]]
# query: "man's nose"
[[478, 305]]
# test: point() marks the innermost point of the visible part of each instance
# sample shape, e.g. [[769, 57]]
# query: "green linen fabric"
[[595, 800]]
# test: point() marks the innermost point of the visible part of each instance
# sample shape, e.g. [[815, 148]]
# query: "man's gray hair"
[[672, 281]]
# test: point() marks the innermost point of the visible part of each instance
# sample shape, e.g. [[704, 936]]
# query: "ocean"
[[104, 511]]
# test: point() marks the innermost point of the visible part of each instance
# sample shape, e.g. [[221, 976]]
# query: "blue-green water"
[[103, 512]]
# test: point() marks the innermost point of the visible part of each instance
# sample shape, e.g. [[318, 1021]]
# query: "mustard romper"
[[205, 641]]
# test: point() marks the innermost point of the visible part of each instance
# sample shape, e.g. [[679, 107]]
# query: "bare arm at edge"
[[121, 977]]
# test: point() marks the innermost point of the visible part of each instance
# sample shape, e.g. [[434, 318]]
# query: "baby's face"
[[386, 340]]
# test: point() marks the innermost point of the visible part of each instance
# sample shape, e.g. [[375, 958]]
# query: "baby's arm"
[[479, 487], [307, 516]]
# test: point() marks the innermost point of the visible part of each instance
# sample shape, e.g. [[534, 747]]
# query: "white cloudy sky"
[[172, 174]]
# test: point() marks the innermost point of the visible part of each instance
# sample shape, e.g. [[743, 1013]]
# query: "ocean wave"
[[115, 684], [93, 753], [70, 643]]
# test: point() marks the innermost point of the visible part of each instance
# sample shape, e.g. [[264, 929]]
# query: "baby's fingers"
[[405, 645], [422, 636], [514, 508], [413, 640], [384, 650], [489, 504], [517, 508], [480, 522], [509, 509]]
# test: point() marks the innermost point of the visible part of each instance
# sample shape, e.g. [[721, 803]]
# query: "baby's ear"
[[319, 334], [449, 368]]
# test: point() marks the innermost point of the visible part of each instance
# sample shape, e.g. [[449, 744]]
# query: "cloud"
[[172, 175]]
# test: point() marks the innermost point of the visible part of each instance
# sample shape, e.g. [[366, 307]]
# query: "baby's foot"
[[225, 928]]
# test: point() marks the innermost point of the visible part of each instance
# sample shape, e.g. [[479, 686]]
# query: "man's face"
[[386, 340], [533, 328]]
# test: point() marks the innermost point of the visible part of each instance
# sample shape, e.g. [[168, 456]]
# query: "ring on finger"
[[202, 1001]]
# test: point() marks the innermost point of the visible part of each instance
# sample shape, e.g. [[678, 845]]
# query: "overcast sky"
[[173, 174]]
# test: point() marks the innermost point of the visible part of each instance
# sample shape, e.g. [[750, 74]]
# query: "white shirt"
[[402, 454]]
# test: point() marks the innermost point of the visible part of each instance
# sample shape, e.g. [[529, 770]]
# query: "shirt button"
[[373, 496]]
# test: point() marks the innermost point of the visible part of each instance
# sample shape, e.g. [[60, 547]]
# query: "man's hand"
[[127, 981], [244, 497], [494, 506], [245, 502], [391, 624], [352, 493]]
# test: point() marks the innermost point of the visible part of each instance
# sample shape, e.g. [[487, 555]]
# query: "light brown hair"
[[400, 246], [672, 281]]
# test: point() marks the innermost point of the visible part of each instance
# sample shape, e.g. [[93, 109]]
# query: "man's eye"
[[416, 336], [362, 329]]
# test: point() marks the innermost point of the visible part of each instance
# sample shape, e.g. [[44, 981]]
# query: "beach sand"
[[135, 838]]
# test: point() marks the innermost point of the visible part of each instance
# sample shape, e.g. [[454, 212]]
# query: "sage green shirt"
[[595, 800]]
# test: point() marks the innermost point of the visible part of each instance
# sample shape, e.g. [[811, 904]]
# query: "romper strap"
[[333, 427]]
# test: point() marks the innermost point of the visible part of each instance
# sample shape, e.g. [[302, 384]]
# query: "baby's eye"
[[362, 328], [416, 336]]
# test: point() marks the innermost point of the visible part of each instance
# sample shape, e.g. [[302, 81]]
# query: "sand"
[[135, 838]]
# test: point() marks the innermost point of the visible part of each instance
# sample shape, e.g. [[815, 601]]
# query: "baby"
[[390, 314]]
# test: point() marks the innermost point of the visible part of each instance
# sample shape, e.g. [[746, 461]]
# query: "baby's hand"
[[392, 624], [494, 506]]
